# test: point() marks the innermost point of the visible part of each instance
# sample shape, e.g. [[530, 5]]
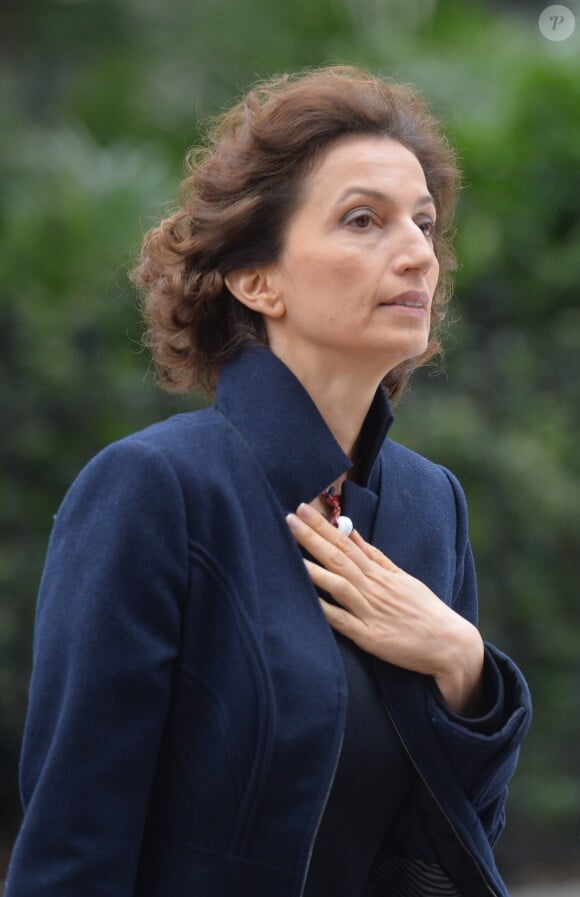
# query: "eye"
[[428, 228], [365, 217]]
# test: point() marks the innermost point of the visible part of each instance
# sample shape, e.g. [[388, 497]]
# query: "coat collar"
[[274, 414]]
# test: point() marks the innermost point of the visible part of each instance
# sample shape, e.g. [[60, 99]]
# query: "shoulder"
[[417, 471], [425, 490], [175, 436], [147, 465], [165, 444]]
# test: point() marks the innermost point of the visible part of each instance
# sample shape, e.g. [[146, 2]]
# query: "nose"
[[414, 250]]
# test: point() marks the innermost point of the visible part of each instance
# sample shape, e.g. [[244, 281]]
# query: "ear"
[[254, 287]]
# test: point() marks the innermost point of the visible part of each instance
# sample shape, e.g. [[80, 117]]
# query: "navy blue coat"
[[187, 700]]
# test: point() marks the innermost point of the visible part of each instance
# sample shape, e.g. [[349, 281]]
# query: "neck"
[[343, 394]]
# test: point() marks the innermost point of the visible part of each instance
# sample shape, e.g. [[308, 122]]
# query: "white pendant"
[[345, 525]]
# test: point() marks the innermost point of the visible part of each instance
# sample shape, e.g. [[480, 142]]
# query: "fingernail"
[[293, 521], [306, 511]]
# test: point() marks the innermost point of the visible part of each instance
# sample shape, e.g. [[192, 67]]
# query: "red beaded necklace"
[[329, 495]]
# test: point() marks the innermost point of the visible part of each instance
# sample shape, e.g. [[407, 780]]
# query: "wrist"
[[461, 679]]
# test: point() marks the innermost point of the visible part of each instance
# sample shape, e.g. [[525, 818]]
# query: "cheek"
[[433, 279], [334, 271], [434, 274]]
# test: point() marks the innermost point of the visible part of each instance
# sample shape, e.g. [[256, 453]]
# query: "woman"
[[235, 693]]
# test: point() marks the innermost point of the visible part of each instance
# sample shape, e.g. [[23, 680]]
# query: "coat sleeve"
[[484, 750], [106, 639]]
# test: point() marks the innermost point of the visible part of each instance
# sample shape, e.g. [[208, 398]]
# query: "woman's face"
[[360, 237]]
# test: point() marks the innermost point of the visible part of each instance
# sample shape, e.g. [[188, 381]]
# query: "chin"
[[405, 352]]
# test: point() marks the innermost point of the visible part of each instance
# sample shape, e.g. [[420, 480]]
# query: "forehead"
[[365, 160]]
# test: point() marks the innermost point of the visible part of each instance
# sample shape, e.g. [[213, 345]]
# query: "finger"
[[343, 622], [374, 553], [331, 552], [347, 595], [367, 552], [318, 523]]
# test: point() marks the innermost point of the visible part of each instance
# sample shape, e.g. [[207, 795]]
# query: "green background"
[[98, 103]]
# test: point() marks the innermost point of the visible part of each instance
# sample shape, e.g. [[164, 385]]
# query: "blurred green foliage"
[[99, 101]]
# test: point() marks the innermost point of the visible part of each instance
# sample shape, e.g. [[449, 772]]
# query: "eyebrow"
[[376, 194]]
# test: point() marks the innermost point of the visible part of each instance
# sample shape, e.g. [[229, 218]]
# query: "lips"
[[409, 299]]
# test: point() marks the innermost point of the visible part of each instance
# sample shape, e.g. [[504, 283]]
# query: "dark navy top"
[[373, 775]]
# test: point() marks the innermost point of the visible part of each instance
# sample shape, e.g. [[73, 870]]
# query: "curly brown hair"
[[243, 183]]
